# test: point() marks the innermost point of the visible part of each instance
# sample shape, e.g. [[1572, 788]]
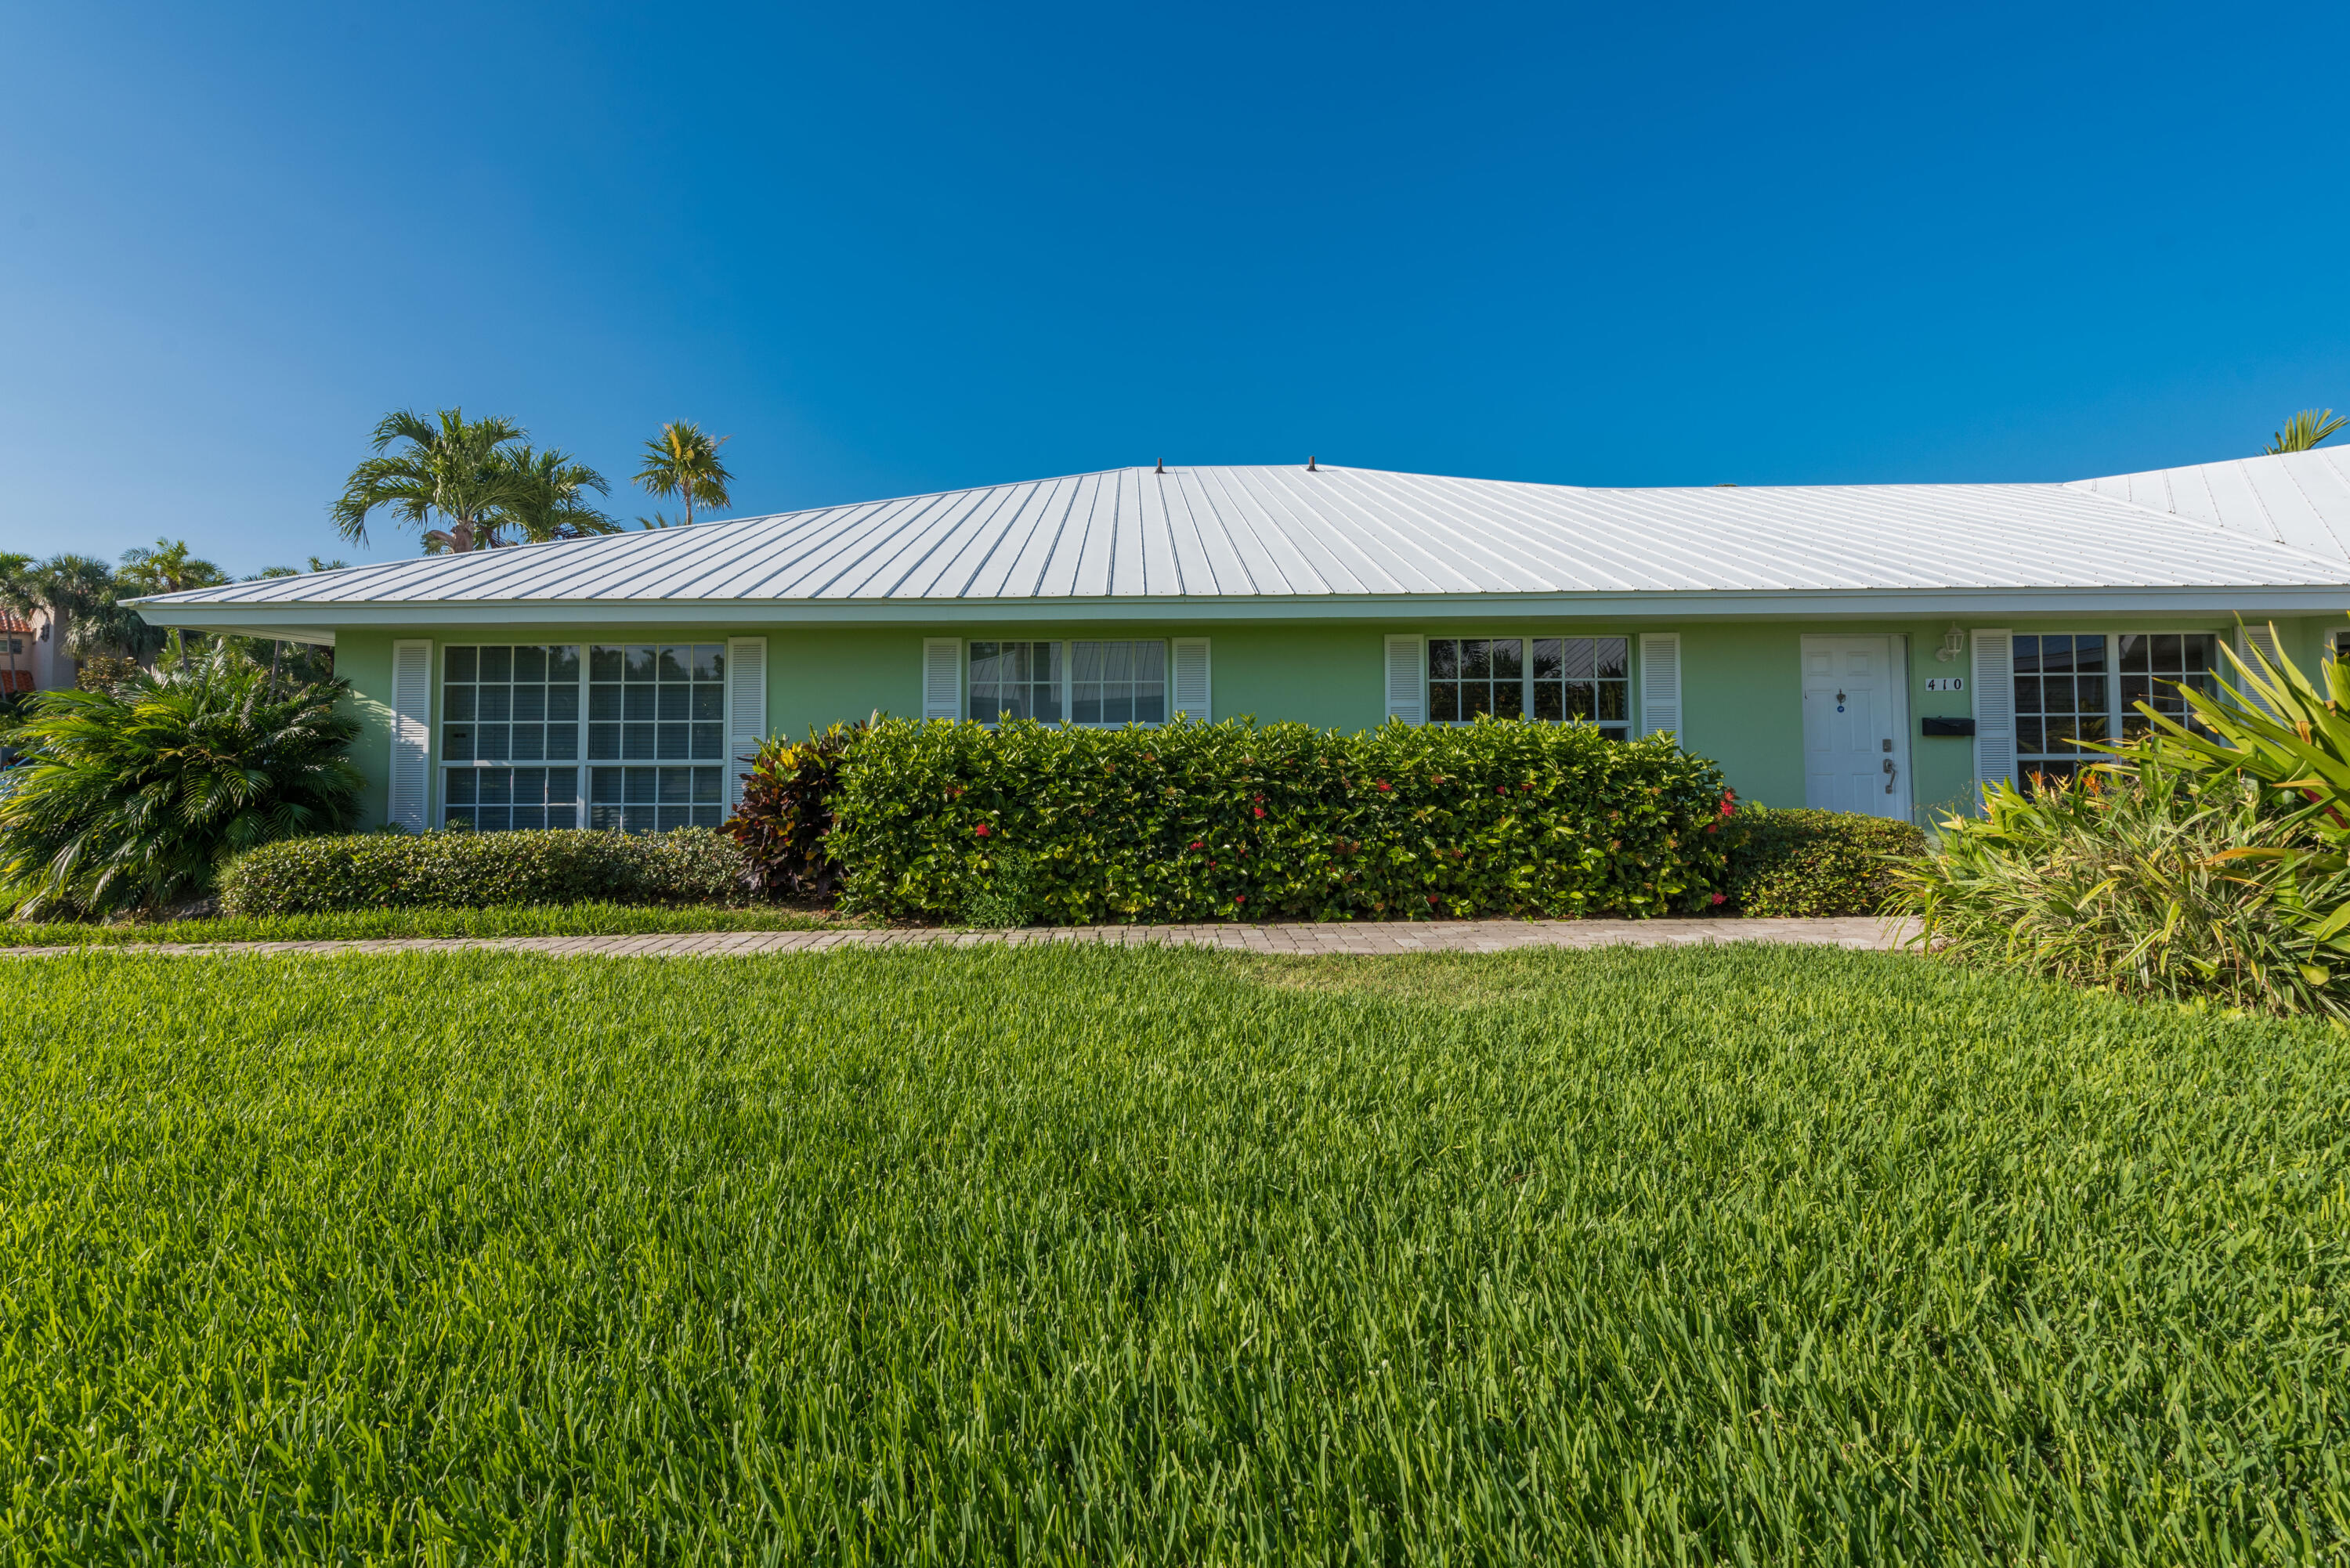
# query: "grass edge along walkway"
[[1865, 932]]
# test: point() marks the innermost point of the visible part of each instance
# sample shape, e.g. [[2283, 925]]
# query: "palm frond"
[[2305, 430]]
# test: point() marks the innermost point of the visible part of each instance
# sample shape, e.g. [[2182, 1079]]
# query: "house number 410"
[[1946, 683]]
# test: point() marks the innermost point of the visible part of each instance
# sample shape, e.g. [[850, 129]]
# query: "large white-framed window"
[[1558, 679], [2073, 689], [626, 736], [1083, 680]]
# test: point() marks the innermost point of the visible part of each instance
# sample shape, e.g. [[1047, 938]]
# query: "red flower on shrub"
[[1722, 898], [981, 830], [1240, 897], [1431, 897], [1259, 810], [1385, 788], [1197, 845]]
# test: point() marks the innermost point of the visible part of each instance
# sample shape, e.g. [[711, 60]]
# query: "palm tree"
[[683, 463], [551, 497], [168, 569], [454, 468], [2305, 430], [83, 601]]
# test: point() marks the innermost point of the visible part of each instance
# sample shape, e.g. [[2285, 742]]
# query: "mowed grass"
[[526, 920], [1064, 1255]]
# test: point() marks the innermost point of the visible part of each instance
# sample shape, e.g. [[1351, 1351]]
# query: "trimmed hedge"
[[482, 870], [1802, 862], [1237, 821]]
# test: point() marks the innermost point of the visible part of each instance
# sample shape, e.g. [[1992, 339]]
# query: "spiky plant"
[[2305, 430], [134, 797], [683, 463]]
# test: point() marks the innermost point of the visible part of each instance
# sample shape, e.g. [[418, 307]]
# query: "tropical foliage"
[[785, 822], [134, 796], [683, 463], [2209, 860], [2305, 429], [2143, 880], [479, 477], [82, 596], [1237, 821]]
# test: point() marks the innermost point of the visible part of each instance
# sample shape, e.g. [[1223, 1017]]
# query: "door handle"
[[1889, 776]]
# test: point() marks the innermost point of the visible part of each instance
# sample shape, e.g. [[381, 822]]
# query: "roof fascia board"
[[299, 622]]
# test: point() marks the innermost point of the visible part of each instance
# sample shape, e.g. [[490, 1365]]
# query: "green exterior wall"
[[1741, 688]]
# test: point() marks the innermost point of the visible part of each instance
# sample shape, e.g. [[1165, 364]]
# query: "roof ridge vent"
[[1162, 465], [1309, 465]]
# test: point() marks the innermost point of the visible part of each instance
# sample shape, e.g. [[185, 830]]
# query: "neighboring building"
[[30, 659], [1869, 648]]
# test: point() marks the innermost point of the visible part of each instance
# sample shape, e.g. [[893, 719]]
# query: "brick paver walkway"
[[1365, 937]]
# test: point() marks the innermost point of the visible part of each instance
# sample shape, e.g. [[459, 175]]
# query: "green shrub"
[[785, 816], [1802, 862], [2146, 881], [1237, 821], [484, 870], [134, 796]]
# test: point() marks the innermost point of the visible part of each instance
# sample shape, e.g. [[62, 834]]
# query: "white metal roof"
[[1193, 537], [2301, 498]]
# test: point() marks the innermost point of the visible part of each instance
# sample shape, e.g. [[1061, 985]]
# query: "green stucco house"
[[1881, 648]]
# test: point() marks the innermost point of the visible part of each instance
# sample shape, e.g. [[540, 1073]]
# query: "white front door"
[[1856, 743]]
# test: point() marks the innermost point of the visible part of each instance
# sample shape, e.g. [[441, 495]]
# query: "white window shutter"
[[942, 678], [1660, 682], [1994, 679], [1406, 680], [1191, 678], [410, 780], [746, 709], [2261, 640]]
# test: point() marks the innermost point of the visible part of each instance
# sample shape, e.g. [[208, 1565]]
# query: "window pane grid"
[[1471, 675], [505, 711], [1117, 682], [650, 702], [1584, 681], [1567, 680], [508, 710], [1016, 681], [2075, 689]]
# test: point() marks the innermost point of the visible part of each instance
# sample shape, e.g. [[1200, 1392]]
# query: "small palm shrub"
[[785, 822], [1795, 861], [2145, 880], [136, 795]]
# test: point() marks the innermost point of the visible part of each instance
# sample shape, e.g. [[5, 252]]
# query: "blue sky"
[[900, 249]]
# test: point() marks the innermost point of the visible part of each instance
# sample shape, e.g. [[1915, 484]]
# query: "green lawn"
[[536, 920], [1163, 1256]]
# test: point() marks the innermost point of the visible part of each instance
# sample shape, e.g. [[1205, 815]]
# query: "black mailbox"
[[1949, 726]]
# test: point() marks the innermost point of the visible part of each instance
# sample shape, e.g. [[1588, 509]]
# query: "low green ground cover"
[[526, 920], [1060, 1255]]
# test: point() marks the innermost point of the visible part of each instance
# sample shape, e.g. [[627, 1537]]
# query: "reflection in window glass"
[[2074, 690], [1585, 681], [1469, 675], [505, 711], [1015, 680], [1117, 682], [2156, 668]]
